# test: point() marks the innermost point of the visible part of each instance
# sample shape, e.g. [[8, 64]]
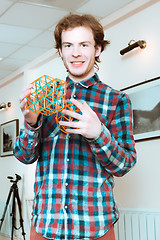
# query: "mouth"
[[77, 63]]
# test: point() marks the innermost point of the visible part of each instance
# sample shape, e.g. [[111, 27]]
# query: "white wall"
[[139, 64], [9, 166], [53, 68], [139, 188]]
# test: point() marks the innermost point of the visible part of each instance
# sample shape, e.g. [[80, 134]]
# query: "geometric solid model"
[[62, 117], [47, 95]]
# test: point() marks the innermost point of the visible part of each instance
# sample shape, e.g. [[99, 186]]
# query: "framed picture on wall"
[[145, 99], [8, 133]]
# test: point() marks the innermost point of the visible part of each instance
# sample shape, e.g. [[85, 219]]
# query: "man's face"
[[78, 52]]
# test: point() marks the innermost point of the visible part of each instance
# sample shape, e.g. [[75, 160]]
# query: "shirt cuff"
[[39, 124], [103, 138]]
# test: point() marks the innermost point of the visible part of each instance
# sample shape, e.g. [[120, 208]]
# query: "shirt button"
[[67, 159], [65, 206], [66, 184], [74, 96]]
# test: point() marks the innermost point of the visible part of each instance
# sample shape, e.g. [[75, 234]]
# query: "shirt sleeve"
[[27, 143], [115, 147]]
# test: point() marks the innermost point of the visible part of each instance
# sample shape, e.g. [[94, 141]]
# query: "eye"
[[67, 45], [84, 45]]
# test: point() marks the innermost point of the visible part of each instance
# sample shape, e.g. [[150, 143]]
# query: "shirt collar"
[[84, 83]]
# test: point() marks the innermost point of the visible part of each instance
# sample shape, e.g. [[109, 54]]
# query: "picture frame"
[[145, 100], [8, 133]]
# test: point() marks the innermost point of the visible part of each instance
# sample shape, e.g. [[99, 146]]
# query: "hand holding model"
[[88, 124], [29, 116]]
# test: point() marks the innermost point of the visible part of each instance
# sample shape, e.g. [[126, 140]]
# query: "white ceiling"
[[26, 26]]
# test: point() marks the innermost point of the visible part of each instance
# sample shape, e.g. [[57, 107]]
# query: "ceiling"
[[26, 26]]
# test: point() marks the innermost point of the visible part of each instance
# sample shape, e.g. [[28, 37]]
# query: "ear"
[[98, 50], [60, 52]]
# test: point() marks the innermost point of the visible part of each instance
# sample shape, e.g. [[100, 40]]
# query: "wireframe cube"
[[62, 117], [47, 95]]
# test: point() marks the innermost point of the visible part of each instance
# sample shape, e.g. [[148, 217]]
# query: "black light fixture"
[[4, 105], [140, 43]]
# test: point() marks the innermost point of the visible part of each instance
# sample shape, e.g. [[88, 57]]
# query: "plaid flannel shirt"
[[74, 175]]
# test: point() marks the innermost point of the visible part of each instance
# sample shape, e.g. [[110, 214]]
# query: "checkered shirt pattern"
[[73, 192]]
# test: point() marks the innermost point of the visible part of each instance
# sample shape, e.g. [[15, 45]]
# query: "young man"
[[75, 172]]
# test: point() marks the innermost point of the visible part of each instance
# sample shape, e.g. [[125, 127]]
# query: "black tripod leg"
[[20, 213], [13, 215], [5, 209]]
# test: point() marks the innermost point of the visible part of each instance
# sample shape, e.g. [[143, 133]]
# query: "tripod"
[[14, 190]]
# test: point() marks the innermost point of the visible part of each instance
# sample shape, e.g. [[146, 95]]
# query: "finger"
[[29, 86], [77, 103], [25, 112], [83, 107], [24, 95], [25, 92], [23, 103], [70, 124], [87, 106], [72, 114], [74, 131]]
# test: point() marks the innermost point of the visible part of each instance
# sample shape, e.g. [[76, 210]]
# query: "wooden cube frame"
[[47, 96]]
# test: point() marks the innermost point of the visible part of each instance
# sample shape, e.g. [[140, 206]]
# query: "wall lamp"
[[140, 43], [5, 105]]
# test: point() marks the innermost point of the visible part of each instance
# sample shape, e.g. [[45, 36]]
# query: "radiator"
[[138, 225], [6, 226]]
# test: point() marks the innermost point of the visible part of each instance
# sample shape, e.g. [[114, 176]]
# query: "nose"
[[76, 51]]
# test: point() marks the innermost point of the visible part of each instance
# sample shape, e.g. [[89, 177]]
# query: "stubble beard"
[[77, 76]]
